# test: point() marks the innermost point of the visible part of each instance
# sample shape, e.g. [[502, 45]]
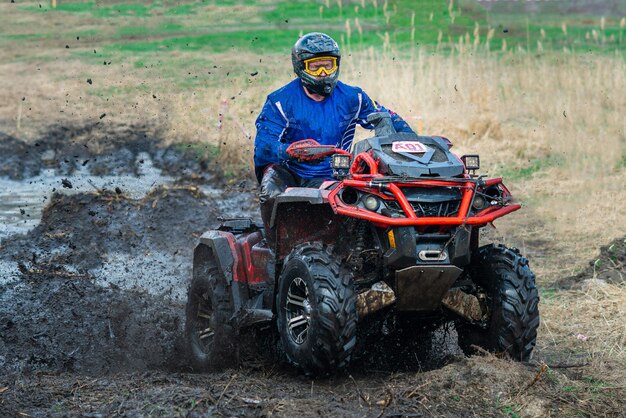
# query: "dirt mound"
[[608, 266], [82, 230], [101, 149]]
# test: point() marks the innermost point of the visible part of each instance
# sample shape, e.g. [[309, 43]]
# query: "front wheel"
[[512, 302], [316, 305]]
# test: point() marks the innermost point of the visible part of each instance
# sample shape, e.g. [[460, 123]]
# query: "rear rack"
[[238, 225]]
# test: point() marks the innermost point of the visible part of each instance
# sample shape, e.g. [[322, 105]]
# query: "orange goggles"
[[318, 65]]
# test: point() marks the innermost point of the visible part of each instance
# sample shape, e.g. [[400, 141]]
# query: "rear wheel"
[[210, 335], [512, 300], [316, 305]]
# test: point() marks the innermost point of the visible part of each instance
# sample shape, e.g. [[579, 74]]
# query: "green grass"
[[534, 166], [265, 41], [133, 30], [547, 295], [144, 34], [119, 9], [622, 162], [277, 24], [69, 7], [183, 9]]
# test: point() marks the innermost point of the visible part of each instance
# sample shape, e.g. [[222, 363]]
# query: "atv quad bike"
[[396, 232]]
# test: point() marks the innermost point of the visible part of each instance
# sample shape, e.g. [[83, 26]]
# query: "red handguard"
[[309, 150]]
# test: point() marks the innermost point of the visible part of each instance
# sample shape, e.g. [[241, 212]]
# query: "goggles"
[[318, 65]]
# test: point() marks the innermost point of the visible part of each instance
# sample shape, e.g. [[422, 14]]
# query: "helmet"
[[313, 54]]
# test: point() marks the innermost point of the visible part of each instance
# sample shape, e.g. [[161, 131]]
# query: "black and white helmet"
[[315, 58]]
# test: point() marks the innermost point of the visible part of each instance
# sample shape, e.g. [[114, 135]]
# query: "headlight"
[[340, 162], [371, 202], [480, 202]]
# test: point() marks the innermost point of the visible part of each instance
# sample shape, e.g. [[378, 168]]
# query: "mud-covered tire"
[[210, 309], [512, 300], [314, 274]]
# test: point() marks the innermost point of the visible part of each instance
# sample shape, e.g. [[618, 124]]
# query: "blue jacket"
[[289, 115]]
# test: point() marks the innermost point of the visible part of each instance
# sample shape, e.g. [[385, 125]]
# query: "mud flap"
[[421, 288]]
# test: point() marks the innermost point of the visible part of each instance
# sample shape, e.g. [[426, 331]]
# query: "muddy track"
[[98, 285], [102, 150], [100, 282], [91, 308]]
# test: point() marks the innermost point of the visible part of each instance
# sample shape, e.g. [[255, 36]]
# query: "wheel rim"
[[203, 333], [298, 311]]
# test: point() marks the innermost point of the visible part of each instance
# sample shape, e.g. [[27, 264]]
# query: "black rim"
[[298, 311]]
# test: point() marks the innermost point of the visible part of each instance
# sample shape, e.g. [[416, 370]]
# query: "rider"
[[316, 106]]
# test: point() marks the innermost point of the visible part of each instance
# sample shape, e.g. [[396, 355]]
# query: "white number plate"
[[414, 147]]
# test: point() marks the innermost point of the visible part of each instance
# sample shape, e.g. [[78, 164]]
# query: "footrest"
[[255, 317]]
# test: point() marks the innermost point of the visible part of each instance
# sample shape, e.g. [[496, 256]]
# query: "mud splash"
[[95, 282], [22, 201], [68, 305], [130, 159]]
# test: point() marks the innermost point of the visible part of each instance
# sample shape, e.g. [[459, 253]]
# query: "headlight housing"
[[472, 162], [340, 161]]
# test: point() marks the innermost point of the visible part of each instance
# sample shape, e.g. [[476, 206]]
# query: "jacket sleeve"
[[370, 106], [269, 148]]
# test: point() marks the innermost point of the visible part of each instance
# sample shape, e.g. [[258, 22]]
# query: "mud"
[[103, 149], [609, 266], [98, 285], [92, 306], [69, 307], [467, 387]]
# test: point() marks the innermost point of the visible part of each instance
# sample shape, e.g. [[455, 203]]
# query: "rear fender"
[[221, 245]]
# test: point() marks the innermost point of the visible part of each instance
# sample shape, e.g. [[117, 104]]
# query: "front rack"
[[392, 185]]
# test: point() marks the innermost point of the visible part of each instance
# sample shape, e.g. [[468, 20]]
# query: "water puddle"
[[22, 201]]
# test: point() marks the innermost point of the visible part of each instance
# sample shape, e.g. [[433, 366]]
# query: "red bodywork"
[[365, 163], [251, 255]]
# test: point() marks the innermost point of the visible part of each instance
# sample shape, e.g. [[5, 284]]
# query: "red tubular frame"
[[484, 217], [369, 160]]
